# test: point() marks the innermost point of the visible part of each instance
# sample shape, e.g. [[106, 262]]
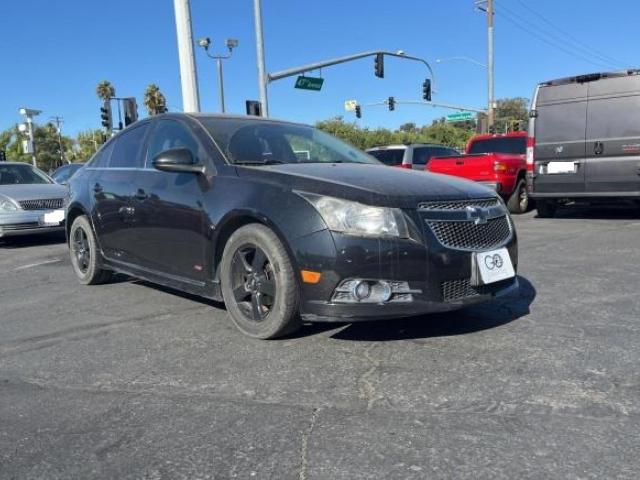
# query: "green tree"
[[511, 110], [154, 100], [86, 144], [105, 90]]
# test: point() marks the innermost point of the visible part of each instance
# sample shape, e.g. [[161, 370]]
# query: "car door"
[[613, 136], [113, 187], [560, 130], [169, 229]]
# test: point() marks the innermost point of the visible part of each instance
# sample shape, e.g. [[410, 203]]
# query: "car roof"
[[16, 163], [487, 136], [403, 146]]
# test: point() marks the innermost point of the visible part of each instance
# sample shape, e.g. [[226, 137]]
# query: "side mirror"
[[177, 160]]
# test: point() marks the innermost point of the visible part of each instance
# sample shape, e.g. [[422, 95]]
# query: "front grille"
[[19, 226], [468, 235], [453, 290], [459, 204], [43, 204]]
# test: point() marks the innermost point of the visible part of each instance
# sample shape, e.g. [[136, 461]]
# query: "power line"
[[575, 40], [518, 22]]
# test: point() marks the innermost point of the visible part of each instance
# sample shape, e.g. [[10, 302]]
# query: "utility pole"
[[262, 70], [231, 43], [491, 106], [188, 73], [58, 121]]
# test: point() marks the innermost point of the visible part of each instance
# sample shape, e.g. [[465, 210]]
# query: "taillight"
[[531, 144], [405, 165], [500, 167]]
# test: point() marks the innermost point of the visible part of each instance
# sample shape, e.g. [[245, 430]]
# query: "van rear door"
[[613, 136], [560, 129]]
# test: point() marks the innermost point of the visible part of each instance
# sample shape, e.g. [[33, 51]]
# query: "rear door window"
[[392, 156], [102, 157], [610, 118], [515, 145], [128, 148]]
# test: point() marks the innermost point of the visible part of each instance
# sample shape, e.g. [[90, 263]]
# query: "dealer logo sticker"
[[493, 261]]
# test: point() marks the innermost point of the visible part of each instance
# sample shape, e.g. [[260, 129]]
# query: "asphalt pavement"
[[129, 380]]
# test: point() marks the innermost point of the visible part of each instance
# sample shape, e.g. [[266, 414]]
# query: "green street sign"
[[309, 83], [460, 117]]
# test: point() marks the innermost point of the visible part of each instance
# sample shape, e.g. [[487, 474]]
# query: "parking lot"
[[129, 380]]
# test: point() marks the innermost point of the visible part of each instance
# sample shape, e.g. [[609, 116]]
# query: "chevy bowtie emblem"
[[477, 214]]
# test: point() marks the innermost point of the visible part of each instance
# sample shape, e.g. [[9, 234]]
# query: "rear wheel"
[[546, 208], [519, 200], [259, 285], [84, 252]]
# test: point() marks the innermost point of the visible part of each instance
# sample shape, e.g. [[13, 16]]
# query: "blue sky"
[[55, 52]]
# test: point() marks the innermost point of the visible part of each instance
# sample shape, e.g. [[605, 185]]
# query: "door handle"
[[141, 195], [598, 148], [98, 188]]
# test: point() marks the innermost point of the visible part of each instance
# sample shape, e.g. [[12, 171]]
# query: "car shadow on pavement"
[[599, 212], [471, 319], [32, 240]]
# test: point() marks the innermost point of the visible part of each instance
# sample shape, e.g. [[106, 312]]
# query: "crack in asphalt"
[[367, 388], [304, 448]]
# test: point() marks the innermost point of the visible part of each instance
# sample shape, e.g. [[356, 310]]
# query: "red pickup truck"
[[496, 160]]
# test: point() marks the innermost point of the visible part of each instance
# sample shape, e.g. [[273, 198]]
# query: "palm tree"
[[105, 90], [154, 100]]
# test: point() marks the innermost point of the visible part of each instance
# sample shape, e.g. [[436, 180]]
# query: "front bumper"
[[426, 265], [26, 223]]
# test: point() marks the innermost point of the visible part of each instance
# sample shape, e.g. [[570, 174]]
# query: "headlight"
[[358, 219], [7, 205]]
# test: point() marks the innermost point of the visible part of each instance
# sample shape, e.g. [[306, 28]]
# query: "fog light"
[[361, 290], [373, 291]]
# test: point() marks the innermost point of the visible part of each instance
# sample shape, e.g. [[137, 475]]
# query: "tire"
[[546, 209], [259, 284], [84, 253], [518, 202]]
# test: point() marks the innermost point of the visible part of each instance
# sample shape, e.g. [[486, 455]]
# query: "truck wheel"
[[546, 209], [84, 252], [519, 200], [259, 284]]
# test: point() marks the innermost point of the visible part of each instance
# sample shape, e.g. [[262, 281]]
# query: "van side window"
[[127, 149]]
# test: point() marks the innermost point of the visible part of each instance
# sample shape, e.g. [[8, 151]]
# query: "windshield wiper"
[[269, 161]]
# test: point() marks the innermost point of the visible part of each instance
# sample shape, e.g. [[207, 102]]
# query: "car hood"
[[369, 184], [20, 192]]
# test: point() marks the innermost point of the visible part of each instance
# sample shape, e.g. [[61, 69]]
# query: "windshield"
[[391, 156], [21, 174], [255, 142], [516, 145]]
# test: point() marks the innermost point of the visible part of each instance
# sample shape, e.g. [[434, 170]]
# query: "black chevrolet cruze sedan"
[[284, 223]]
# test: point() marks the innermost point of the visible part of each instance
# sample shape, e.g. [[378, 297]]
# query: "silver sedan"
[[30, 202]]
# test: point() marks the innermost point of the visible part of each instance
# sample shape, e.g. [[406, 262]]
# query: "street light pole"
[[262, 70], [220, 83], [231, 44], [490, 93]]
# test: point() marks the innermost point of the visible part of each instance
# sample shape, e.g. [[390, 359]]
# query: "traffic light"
[[3, 156], [130, 108], [254, 108], [358, 111], [379, 65], [426, 90], [105, 115], [392, 104]]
